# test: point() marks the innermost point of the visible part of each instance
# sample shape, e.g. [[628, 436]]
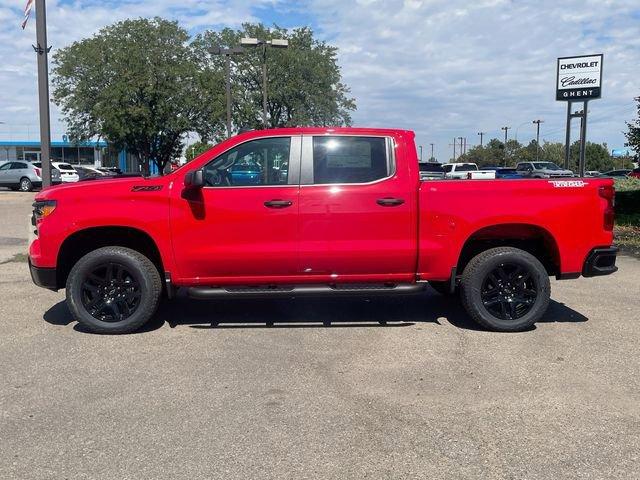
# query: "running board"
[[207, 293]]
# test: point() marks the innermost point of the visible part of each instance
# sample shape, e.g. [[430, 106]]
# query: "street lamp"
[[538, 122], [227, 52], [275, 43], [506, 129], [482, 134]]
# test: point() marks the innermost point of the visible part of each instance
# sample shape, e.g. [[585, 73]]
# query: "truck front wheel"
[[505, 289], [113, 290]]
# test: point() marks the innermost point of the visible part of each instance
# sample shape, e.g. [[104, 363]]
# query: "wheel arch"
[[81, 242], [531, 238]]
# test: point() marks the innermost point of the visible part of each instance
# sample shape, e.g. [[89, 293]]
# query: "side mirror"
[[194, 179]]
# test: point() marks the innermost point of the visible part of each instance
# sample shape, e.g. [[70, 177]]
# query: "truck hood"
[[105, 188]]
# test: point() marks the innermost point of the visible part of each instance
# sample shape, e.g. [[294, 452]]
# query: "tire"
[[113, 290], [25, 185], [443, 288], [505, 289]]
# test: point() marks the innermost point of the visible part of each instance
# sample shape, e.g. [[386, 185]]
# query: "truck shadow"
[[343, 312]]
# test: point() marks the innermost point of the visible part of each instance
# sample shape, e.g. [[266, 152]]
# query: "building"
[[94, 154]]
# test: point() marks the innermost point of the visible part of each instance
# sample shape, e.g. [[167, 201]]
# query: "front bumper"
[[44, 277], [601, 261]]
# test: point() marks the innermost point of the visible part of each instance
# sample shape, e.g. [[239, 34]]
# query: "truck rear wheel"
[[113, 290], [505, 289]]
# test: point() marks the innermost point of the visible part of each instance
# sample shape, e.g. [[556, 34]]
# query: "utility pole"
[[506, 129], [227, 52], [420, 147], [465, 145], [538, 122], [431, 158], [460, 138], [481, 135], [454, 148], [42, 50]]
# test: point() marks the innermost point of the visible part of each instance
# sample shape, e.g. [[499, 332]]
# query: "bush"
[[627, 184]]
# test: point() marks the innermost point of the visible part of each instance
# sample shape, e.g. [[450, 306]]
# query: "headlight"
[[43, 208]]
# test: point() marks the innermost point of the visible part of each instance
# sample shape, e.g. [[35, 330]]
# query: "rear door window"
[[350, 159], [18, 165]]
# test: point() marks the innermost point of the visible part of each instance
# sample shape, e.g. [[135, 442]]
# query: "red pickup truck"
[[315, 211]]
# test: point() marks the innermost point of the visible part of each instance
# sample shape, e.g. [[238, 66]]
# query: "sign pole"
[[567, 142], [583, 139], [43, 91]]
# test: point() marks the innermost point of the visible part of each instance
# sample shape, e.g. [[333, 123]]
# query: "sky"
[[444, 68]]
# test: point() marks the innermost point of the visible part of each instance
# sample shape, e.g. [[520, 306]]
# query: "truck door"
[[357, 209], [242, 225]]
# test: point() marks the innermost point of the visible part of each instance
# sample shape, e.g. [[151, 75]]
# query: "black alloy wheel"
[[110, 292], [509, 291]]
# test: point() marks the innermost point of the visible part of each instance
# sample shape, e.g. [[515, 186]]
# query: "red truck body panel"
[[331, 233]]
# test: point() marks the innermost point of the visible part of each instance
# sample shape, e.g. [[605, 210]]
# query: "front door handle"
[[390, 202], [278, 203]]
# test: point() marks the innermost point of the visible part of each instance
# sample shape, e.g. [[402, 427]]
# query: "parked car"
[[458, 170], [25, 176], [635, 173], [622, 172], [504, 172], [353, 219], [67, 172], [245, 174], [592, 173], [110, 170], [85, 172], [481, 175], [430, 170], [542, 170]]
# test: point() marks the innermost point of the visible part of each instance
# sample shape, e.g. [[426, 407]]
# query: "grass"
[[18, 257], [627, 233]]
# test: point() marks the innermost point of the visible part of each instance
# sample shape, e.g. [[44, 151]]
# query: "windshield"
[[430, 167], [546, 166], [466, 167]]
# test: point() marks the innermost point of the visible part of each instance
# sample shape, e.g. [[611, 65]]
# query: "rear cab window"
[[349, 159]]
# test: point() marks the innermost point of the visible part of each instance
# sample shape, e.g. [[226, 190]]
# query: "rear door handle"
[[390, 202], [278, 203]]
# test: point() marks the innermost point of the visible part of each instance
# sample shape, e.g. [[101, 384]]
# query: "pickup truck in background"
[[430, 170], [334, 211], [542, 170], [466, 170]]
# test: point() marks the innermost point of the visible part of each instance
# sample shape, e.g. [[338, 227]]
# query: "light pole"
[[431, 159], [275, 43], [42, 49], [460, 138], [481, 135], [227, 52], [538, 122], [518, 128], [506, 129]]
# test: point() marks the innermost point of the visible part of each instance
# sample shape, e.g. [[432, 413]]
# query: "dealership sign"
[[579, 78]]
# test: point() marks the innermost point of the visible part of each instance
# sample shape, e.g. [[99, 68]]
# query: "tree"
[[196, 149], [304, 80], [633, 135], [138, 85]]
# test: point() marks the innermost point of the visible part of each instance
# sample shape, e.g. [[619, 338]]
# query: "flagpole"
[[42, 51]]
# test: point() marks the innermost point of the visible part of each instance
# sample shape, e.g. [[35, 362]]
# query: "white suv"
[[67, 172]]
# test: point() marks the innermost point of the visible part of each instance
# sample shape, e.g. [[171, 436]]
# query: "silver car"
[[25, 176], [542, 170]]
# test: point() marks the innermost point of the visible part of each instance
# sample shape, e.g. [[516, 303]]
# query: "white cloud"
[[453, 68], [445, 68]]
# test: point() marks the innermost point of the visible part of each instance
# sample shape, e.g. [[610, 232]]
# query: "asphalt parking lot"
[[426, 396]]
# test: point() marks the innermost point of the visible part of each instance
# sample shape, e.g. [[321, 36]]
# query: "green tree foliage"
[[136, 84], [304, 81], [196, 149], [633, 135], [493, 153]]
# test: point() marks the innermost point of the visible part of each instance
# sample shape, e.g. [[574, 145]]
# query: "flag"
[[27, 12]]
